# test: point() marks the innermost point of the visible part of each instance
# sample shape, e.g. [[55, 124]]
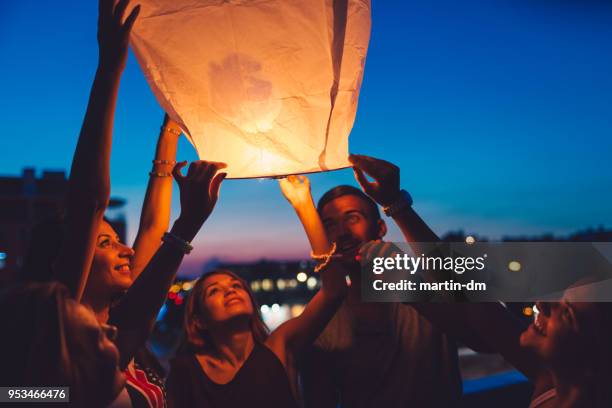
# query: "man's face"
[[349, 222]]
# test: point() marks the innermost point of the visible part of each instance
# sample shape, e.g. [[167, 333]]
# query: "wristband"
[[177, 242], [401, 203]]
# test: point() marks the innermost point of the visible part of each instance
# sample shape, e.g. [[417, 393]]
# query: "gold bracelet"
[[159, 174], [170, 130], [172, 162]]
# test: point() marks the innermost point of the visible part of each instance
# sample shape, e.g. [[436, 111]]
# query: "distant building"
[[26, 201]]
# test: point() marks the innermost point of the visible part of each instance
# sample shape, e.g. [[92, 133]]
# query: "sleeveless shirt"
[[261, 382]]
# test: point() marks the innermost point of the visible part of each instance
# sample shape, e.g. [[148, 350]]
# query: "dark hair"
[[196, 335], [43, 347], [34, 350], [344, 190], [44, 246]]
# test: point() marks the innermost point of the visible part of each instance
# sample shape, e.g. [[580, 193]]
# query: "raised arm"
[[135, 314], [296, 334], [487, 326], [155, 215], [296, 189], [385, 190], [89, 183]]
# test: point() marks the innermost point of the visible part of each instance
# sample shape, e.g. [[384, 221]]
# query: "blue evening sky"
[[499, 114]]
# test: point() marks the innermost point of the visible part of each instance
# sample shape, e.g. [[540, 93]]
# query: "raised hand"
[[114, 32], [199, 193], [296, 190], [385, 188]]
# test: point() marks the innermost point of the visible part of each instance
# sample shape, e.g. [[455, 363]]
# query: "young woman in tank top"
[[232, 360]]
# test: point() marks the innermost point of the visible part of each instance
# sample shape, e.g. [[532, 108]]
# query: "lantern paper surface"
[[268, 86]]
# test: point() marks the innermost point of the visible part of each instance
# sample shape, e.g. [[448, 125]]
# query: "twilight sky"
[[498, 113]]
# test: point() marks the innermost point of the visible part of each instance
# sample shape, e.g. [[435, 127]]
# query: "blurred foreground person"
[[565, 352], [51, 340]]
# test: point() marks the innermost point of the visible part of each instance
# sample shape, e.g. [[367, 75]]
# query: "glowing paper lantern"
[[268, 86]]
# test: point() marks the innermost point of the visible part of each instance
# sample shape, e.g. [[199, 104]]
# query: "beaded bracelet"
[[325, 258], [160, 174], [171, 130]]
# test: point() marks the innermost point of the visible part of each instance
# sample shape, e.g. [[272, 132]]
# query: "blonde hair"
[[197, 336]]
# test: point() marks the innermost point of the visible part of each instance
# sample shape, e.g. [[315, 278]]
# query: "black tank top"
[[261, 382]]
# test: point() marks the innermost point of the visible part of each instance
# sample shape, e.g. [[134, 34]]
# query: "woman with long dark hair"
[[232, 361], [123, 286]]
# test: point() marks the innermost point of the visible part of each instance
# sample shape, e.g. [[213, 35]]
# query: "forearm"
[[89, 184], [90, 171], [156, 207], [415, 231], [311, 222], [136, 313], [155, 215], [300, 332]]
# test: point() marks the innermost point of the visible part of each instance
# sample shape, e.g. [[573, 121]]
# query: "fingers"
[[211, 169], [176, 172], [377, 168], [297, 180], [201, 170], [285, 186], [193, 167], [304, 180], [367, 164], [120, 11], [362, 180], [129, 21], [215, 186]]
